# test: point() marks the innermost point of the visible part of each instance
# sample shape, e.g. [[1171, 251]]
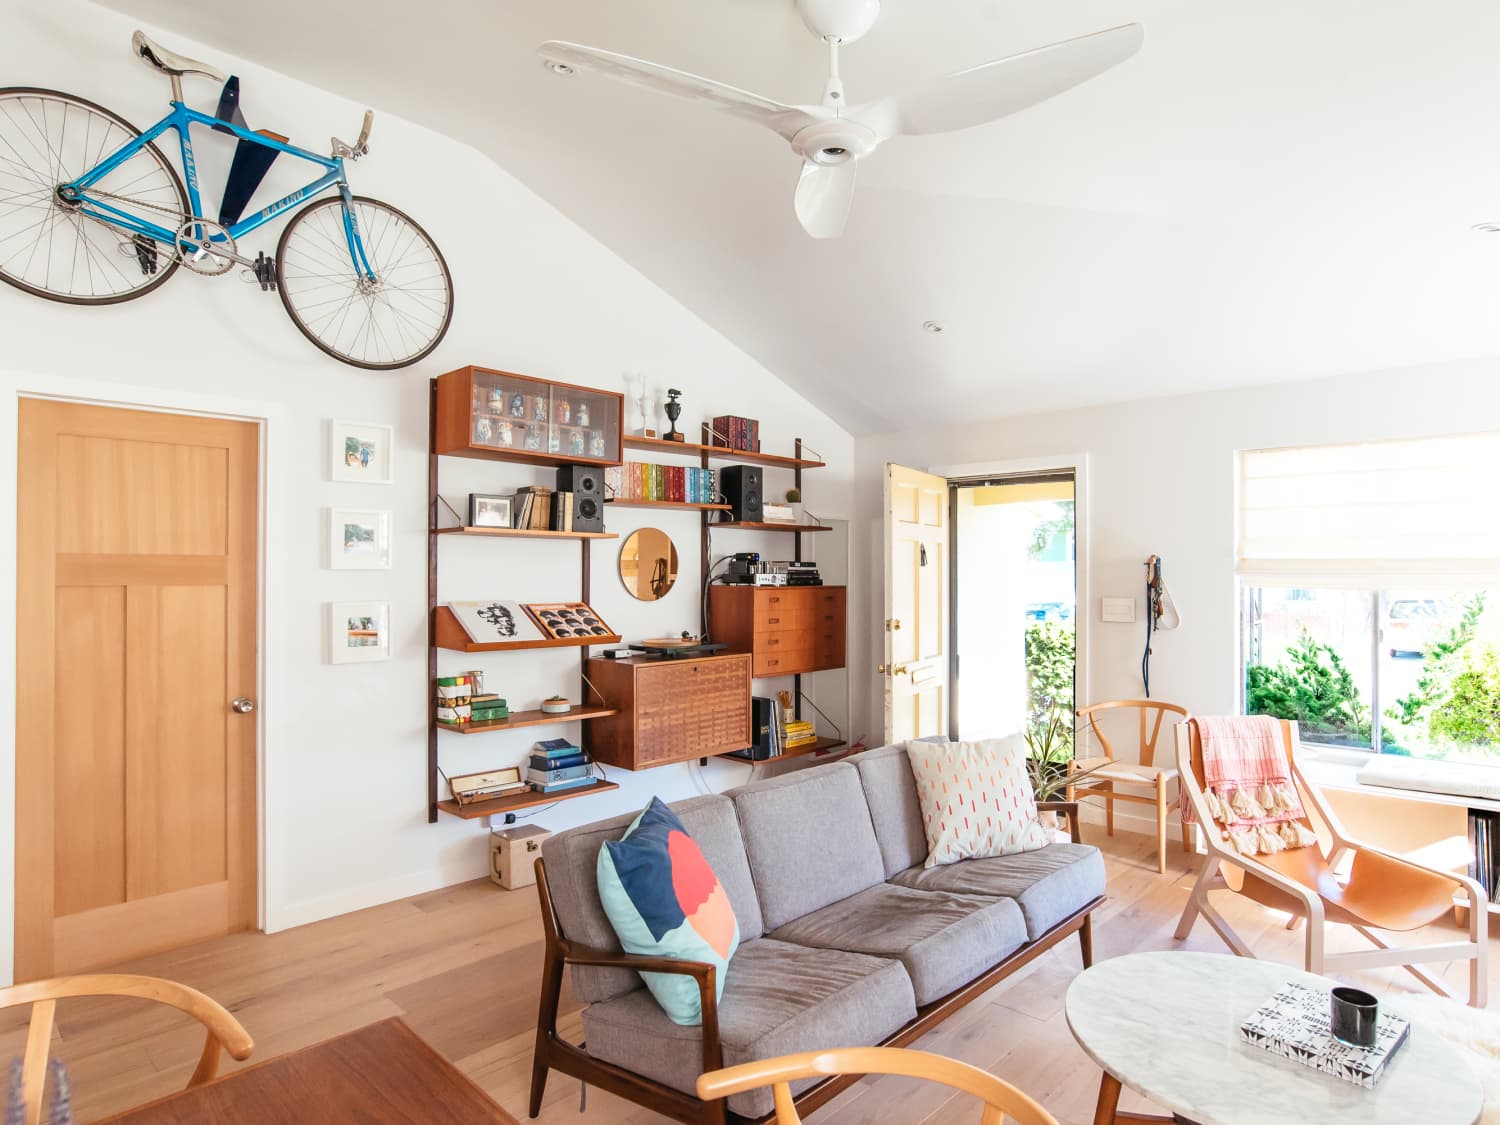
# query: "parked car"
[[1049, 611], [1409, 625]]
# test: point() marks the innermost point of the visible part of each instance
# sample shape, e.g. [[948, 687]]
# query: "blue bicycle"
[[92, 213]]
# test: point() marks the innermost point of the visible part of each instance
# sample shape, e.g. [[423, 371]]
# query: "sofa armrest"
[[1069, 809], [701, 971]]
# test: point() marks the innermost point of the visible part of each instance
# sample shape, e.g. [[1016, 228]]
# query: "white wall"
[[344, 747], [1161, 481]]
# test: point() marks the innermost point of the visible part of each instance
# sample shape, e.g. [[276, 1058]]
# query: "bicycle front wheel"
[[392, 320], [49, 244]]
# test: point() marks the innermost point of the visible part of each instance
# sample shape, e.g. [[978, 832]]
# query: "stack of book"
[[558, 765], [452, 700], [733, 432], [487, 708], [636, 480], [798, 732], [1483, 841], [533, 508]]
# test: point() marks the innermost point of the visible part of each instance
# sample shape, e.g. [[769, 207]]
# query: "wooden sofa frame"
[[553, 1052]]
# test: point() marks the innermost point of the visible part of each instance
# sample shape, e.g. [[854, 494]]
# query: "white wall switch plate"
[[1117, 609]]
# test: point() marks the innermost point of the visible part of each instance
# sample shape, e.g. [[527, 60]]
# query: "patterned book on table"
[[1294, 1023]]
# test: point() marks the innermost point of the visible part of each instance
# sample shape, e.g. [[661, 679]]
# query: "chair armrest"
[[1069, 809], [701, 971]]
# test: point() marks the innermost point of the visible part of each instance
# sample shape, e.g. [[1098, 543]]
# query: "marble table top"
[[1167, 1026]]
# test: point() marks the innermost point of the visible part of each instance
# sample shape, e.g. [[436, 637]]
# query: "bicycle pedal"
[[265, 272], [145, 254]]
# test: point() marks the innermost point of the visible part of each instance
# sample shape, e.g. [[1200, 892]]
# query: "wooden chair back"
[[1152, 715], [1001, 1099], [222, 1029]]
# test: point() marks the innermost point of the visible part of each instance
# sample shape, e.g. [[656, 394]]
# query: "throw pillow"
[[664, 900], [976, 799]]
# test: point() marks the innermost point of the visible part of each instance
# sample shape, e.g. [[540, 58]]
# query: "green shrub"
[[1471, 713], [1050, 654], [1315, 689]]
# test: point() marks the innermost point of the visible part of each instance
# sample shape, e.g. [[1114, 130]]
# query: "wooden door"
[[135, 629], [916, 604]]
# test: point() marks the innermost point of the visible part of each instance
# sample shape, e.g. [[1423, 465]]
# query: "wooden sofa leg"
[[538, 1084], [1086, 940]]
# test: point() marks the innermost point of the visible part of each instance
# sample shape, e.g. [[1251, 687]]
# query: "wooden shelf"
[[450, 635], [817, 747], [720, 453], [769, 526], [511, 802], [522, 533], [520, 719], [670, 504]]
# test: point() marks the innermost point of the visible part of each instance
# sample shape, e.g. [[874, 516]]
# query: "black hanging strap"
[[251, 161]]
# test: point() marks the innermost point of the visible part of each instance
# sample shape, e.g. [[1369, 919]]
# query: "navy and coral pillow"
[[664, 900]]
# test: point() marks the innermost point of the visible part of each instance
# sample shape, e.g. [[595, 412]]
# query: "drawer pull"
[[773, 621], [774, 641], [773, 598]]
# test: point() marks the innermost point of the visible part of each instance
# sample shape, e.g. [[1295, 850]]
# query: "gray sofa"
[[845, 939]]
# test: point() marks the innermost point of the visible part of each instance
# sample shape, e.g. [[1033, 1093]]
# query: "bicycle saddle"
[[170, 62]]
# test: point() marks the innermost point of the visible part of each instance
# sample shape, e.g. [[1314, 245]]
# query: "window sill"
[[1333, 768]]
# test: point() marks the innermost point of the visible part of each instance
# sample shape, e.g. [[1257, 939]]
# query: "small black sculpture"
[[674, 410]]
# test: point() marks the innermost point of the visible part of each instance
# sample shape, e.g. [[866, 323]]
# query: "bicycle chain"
[[177, 212]]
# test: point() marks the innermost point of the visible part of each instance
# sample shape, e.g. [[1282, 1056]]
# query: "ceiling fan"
[[833, 137]]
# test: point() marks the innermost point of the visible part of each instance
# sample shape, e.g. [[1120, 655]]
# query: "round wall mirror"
[[648, 564]]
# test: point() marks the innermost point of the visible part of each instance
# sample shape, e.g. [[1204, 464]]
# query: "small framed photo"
[[489, 511], [359, 632], [359, 539], [360, 451]]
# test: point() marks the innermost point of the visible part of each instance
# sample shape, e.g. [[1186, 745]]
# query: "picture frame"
[[359, 632], [359, 539], [360, 452], [486, 510]]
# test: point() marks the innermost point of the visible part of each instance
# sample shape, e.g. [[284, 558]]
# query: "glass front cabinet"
[[509, 417]]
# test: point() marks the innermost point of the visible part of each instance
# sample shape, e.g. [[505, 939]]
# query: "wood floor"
[[461, 966]]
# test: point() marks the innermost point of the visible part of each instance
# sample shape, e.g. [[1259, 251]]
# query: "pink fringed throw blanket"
[[1248, 784]]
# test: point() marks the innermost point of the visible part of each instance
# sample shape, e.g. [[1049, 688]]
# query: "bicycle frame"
[[182, 118]]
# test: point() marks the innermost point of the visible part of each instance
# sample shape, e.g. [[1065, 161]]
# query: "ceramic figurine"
[[674, 411], [482, 430], [582, 414], [596, 443], [564, 412], [503, 433], [497, 401], [533, 438], [517, 406], [539, 408], [575, 443], [554, 441]]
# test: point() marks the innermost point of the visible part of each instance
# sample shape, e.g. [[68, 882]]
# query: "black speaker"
[[741, 486], [586, 483]]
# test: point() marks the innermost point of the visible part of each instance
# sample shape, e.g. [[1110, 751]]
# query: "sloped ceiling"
[[1266, 192]]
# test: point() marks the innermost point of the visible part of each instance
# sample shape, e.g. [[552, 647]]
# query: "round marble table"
[[1166, 1025]]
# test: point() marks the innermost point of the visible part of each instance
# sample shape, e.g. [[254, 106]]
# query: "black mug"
[[1353, 1017]]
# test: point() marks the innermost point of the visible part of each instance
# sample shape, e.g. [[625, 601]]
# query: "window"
[[1370, 586]]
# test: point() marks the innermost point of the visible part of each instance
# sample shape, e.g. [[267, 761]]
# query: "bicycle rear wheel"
[[48, 245], [390, 322]]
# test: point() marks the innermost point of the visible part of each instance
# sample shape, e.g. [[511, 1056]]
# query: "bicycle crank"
[[207, 248]]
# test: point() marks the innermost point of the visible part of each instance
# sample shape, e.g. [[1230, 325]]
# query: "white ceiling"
[[1266, 192]]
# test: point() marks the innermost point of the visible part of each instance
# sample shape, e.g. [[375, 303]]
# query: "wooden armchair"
[[223, 1031], [1143, 771], [1001, 1099], [1380, 892]]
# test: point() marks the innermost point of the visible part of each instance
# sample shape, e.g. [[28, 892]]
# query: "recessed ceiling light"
[[561, 68], [1487, 228], [932, 326]]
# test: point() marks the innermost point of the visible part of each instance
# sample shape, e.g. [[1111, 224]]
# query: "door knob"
[[893, 669], [242, 705]]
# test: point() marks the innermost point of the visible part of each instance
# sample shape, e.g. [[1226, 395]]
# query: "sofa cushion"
[[944, 940], [977, 799], [664, 900], [1048, 884], [778, 999], [896, 813], [809, 840], [572, 860]]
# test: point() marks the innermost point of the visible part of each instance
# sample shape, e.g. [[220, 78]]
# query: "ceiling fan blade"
[[996, 89], [783, 119], [825, 193]]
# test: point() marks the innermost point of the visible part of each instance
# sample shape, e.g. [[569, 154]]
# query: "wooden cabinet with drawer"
[[785, 629], [670, 710]]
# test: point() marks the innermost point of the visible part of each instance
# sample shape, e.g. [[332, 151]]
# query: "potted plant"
[[556, 705], [1049, 762], [794, 501]]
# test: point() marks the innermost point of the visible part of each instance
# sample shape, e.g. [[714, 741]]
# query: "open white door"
[[916, 604]]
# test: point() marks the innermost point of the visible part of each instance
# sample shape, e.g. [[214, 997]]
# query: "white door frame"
[[272, 570], [1079, 464]]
